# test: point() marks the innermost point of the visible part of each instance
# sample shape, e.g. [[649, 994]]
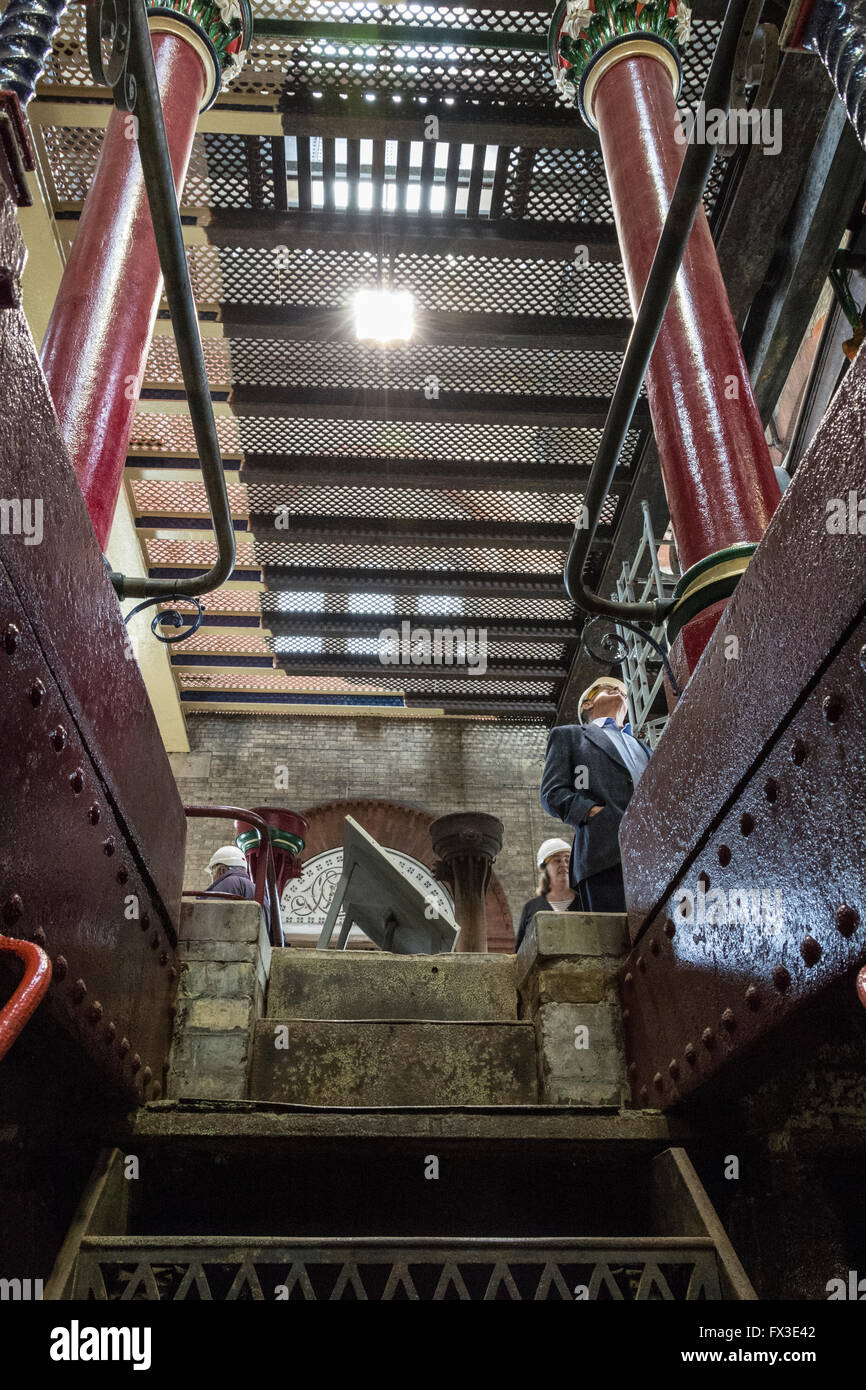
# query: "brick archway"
[[404, 828]]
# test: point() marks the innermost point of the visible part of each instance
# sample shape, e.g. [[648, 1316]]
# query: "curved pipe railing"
[[266, 878], [162, 199], [30, 992], [665, 267]]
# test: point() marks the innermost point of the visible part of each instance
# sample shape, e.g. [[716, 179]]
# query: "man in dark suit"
[[590, 772]]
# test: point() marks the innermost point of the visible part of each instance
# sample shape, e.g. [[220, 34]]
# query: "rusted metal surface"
[[758, 785], [467, 844], [91, 815]]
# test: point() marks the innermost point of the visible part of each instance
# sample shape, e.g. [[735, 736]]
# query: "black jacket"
[[534, 905], [608, 784]]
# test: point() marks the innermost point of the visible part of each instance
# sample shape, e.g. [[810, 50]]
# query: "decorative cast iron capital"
[[225, 26], [586, 37]]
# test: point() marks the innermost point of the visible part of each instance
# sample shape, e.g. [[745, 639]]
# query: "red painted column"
[[96, 345], [716, 466], [619, 61]]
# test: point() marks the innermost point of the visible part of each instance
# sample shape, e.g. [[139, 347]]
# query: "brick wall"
[[435, 765]]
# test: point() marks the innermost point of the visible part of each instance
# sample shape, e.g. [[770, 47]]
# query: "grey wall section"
[[434, 765]]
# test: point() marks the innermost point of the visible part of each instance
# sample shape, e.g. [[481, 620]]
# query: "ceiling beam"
[[566, 332], [501, 475], [371, 625], [393, 232], [470, 534], [452, 407]]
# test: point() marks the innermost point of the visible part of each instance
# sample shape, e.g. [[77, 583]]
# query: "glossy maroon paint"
[[93, 829], [757, 788], [717, 472], [96, 344]]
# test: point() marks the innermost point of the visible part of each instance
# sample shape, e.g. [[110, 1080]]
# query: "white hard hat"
[[597, 685], [551, 847], [228, 855]]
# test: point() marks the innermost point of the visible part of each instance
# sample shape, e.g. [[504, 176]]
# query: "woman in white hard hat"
[[227, 867], [554, 892]]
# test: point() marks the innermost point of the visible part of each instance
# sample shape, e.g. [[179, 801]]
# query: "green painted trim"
[[709, 562]]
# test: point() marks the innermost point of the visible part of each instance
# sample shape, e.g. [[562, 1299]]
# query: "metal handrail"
[[162, 200], [666, 264], [266, 878], [18, 1010]]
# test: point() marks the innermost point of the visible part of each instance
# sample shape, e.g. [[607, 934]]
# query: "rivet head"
[[724, 856], [58, 737], [109, 845], [690, 1053], [632, 1070], [670, 929], [832, 707], [122, 874], [37, 693], [729, 1022], [59, 967], [11, 633], [93, 814], [658, 1082], [753, 997], [110, 1032], [708, 1038], [135, 1061], [38, 937], [847, 919], [799, 751], [629, 979], [76, 780], [123, 1046], [644, 1094], [781, 978], [810, 950], [13, 908], [654, 946], [771, 789], [94, 1013], [674, 1068], [747, 823], [79, 989], [146, 1076]]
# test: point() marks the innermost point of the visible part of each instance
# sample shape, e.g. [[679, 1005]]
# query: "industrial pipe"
[[30, 992]]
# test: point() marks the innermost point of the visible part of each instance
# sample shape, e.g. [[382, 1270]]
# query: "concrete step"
[[386, 1062], [378, 985]]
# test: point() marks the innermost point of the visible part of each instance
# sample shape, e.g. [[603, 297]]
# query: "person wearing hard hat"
[[227, 867], [590, 772], [554, 890]]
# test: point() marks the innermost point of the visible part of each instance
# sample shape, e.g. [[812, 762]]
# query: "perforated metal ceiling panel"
[[358, 508]]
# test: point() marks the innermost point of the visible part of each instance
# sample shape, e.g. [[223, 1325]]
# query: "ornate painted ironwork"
[[581, 31]]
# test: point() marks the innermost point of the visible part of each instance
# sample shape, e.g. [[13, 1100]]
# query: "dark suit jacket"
[[608, 783], [539, 904]]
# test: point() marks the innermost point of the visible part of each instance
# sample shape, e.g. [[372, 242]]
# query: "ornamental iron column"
[[466, 845], [620, 64], [96, 345]]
